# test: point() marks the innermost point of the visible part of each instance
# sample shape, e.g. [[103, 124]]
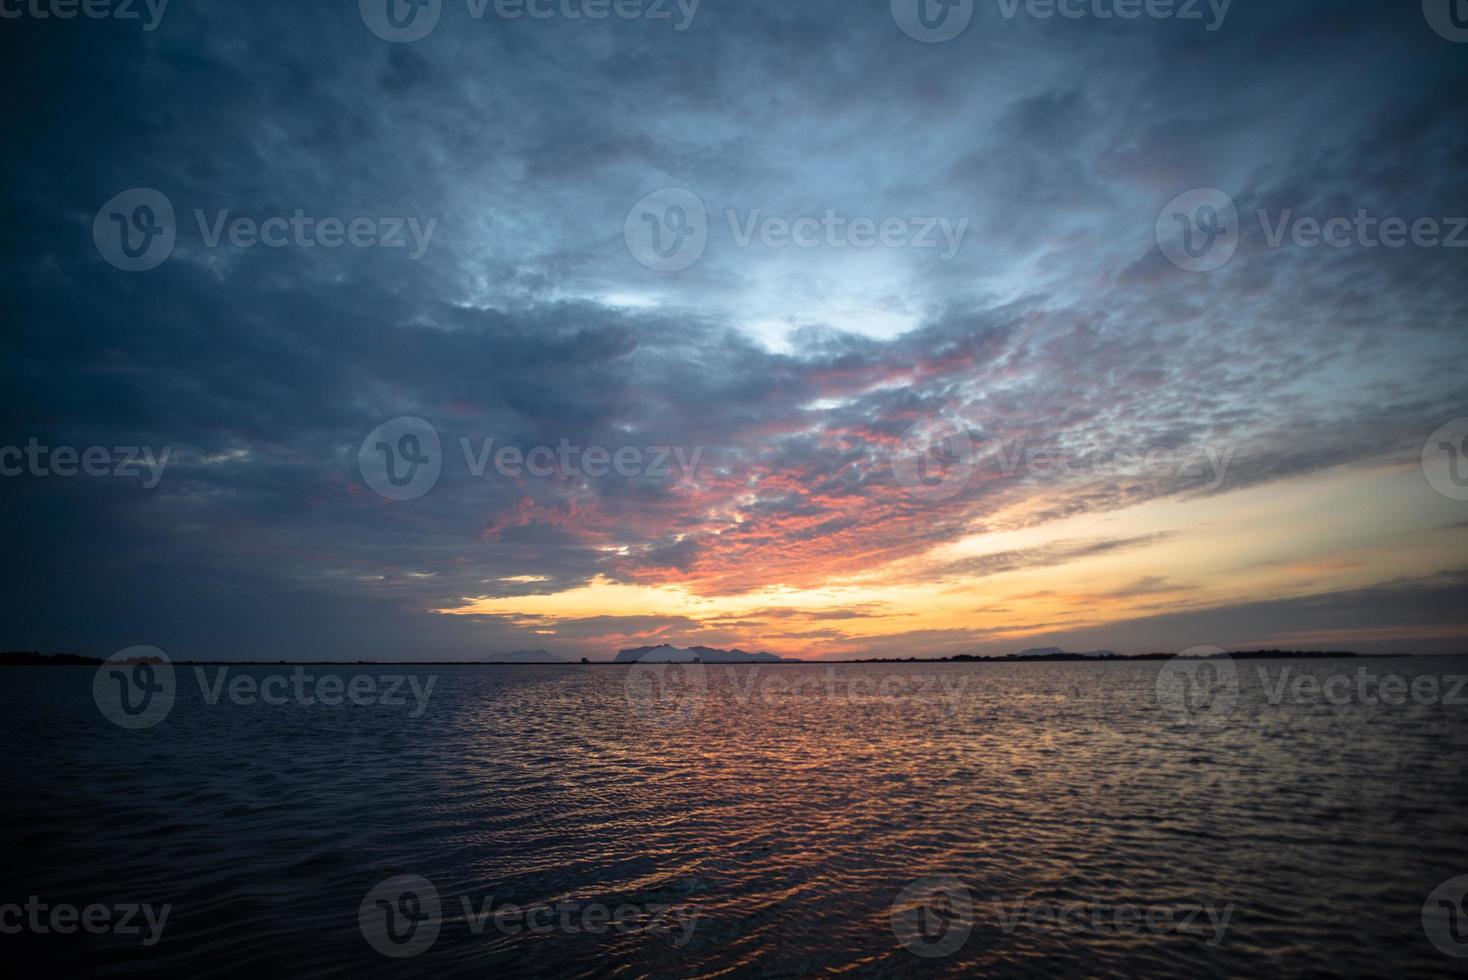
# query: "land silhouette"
[[666, 654]]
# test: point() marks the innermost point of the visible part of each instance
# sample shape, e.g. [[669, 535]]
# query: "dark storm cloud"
[[527, 321]]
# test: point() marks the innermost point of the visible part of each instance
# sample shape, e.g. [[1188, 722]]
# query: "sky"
[[821, 328]]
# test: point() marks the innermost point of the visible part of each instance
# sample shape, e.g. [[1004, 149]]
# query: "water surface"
[[783, 809]]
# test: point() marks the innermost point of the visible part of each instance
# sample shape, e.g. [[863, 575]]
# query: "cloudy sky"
[[810, 327]]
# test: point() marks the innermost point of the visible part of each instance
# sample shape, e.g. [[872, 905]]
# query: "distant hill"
[[1038, 653], [667, 654], [527, 657], [1055, 653], [30, 659]]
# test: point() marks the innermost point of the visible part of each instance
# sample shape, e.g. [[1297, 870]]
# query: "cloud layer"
[[1059, 327]]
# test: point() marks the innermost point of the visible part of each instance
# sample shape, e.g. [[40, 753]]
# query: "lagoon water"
[[755, 820]]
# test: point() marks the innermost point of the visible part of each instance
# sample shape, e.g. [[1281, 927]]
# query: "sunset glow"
[[1030, 580]]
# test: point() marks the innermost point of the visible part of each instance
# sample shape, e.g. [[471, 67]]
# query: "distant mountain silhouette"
[[31, 659], [1038, 652], [1055, 653], [667, 654], [527, 657]]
